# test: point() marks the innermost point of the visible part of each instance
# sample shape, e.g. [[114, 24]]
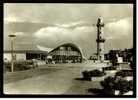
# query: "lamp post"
[[12, 56]]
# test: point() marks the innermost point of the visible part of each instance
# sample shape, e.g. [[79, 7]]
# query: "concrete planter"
[[110, 71], [117, 92], [98, 78], [128, 78], [40, 63], [128, 93]]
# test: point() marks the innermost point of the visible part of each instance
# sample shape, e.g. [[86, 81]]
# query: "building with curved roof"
[[66, 53]]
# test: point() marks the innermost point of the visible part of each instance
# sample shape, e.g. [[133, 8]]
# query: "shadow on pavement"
[[83, 79], [96, 91]]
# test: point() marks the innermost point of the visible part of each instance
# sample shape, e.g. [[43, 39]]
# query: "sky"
[[39, 26]]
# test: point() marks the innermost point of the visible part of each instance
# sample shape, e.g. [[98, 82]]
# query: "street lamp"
[[12, 56]]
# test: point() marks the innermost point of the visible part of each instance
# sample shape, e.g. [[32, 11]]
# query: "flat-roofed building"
[[25, 55]]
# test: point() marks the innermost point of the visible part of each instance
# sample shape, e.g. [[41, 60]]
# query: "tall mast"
[[100, 40]]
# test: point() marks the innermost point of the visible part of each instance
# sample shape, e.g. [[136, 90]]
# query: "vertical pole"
[[12, 58], [98, 30], [98, 43]]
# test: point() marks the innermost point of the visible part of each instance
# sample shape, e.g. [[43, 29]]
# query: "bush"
[[7, 67], [97, 73], [108, 85], [86, 75], [124, 73], [130, 85], [111, 83], [110, 68], [93, 73], [123, 86], [18, 66]]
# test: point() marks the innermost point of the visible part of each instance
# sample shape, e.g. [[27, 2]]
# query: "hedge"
[[18, 66], [93, 73], [124, 73]]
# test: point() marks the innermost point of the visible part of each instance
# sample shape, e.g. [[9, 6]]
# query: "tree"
[[122, 85], [108, 85]]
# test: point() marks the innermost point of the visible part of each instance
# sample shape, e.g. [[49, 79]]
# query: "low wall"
[[98, 78], [111, 71], [39, 62]]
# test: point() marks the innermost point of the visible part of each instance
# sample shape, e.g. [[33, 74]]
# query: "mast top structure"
[[100, 22], [12, 35]]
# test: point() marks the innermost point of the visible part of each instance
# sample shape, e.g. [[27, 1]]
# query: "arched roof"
[[72, 45], [44, 48]]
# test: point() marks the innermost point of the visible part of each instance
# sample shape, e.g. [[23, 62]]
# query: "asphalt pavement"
[[51, 80]]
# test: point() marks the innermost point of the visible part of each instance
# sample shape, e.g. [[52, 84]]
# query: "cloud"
[[13, 19], [64, 13], [113, 30], [48, 32], [72, 24], [58, 33], [19, 33], [119, 28], [24, 43]]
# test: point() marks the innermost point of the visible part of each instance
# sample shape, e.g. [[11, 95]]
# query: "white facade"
[[120, 59], [18, 56]]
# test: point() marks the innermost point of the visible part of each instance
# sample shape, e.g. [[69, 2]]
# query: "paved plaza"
[[51, 80]]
